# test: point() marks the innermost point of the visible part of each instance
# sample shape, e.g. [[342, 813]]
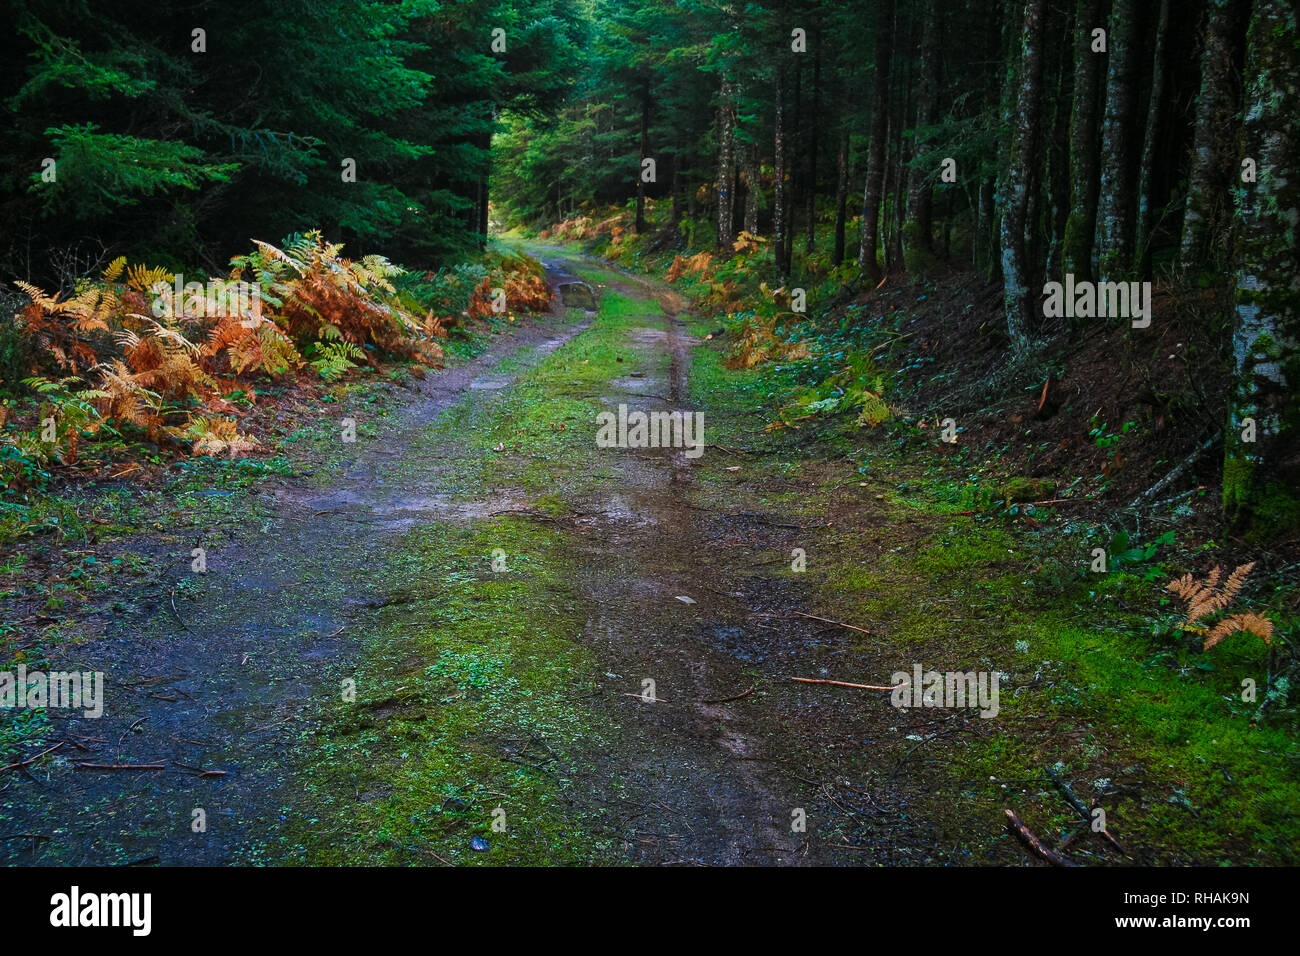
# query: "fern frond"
[[114, 270], [1246, 622]]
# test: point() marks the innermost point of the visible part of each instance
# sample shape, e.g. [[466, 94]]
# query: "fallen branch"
[[131, 728], [1085, 814], [1071, 797], [1036, 844], [30, 760], [841, 683], [1175, 474], [120, 766], [727, 700], [827, 620], [179, 620]]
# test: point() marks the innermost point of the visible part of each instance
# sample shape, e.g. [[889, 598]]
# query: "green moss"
[[1027, 489], [468, 701]]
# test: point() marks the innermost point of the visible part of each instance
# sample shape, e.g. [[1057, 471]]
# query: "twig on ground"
[[1085, 814], [1174, 475], [1036, 844], [727, 700], [1071, 797], [814, 617], [31, 760], [179, 619], [119, 766], [841, 683], [131, 728]]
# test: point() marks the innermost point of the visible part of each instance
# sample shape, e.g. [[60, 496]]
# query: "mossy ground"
[[478, 689], [1137, 716]]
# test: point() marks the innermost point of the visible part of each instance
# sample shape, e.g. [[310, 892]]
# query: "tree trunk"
[[872, 193], [1261, 482], [1146, 208], [1117, 215], [751, 189], [918, 240], [1017, 295], [781, 226], [726, 161], [1057, 185], [676, 192], [1210, 175], [1081, 225], [814, 132], [640, 225], [841, 193], [986, 233]]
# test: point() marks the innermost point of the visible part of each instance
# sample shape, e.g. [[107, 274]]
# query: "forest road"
[[700, 749]]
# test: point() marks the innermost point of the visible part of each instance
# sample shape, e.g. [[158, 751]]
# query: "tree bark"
[[1210, 175], [918, 239], [1017, 298], [1261, 482], [1056, 210], [640, 225], [781, 226], [1081, 225], [1117, 215], [814, 134], [841, 194], [726, 161], [872, 193], [1146, 208], [751, 189]]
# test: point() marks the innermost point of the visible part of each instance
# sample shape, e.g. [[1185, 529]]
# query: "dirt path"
[[221, 682], [241, 678]]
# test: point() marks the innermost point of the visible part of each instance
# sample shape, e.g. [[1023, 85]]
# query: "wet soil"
[[718, 758]]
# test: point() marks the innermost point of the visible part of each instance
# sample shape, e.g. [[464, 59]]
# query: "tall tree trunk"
[[1117, 215], [841, 193], [781, 225], [793, 166], [726, 162], [987, 231], [1208, 179], [751, 189], [873, 192], [814, 133], [1261, 482], [918, 240], [897, 190], [481, 209], [1017, 295], [1085, 144], [1057, 187], [640, 225], [1146, 208], [676, 192]]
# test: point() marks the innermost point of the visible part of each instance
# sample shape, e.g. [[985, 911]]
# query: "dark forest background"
[[1107, 139]]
